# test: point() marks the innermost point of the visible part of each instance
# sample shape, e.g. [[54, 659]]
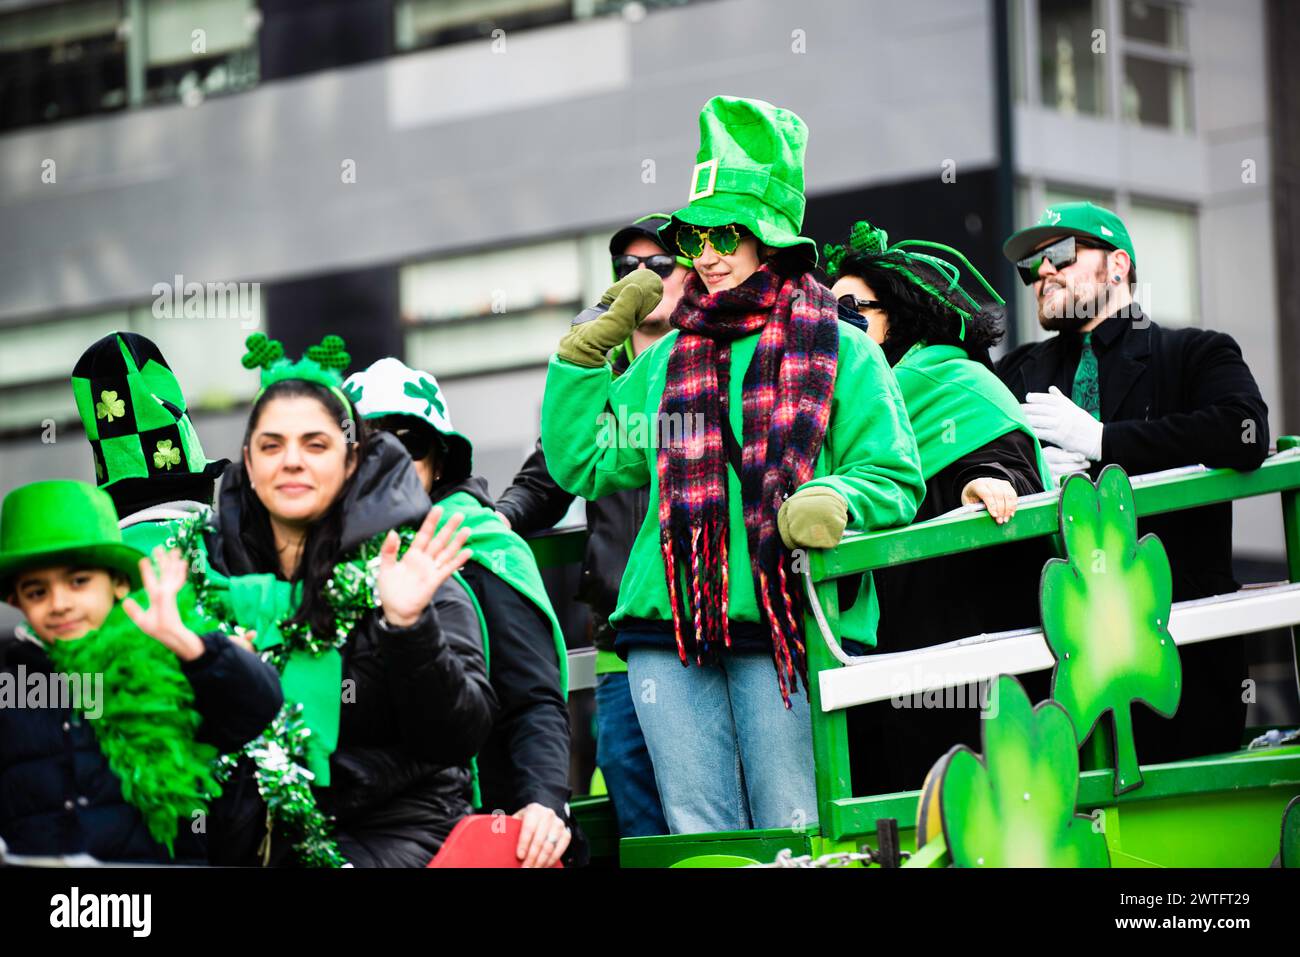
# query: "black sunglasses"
[[418, 442], [854, 304], [660, 264], [1060, 254]]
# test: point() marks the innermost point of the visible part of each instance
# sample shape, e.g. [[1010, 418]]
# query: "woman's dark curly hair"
[[320, 551], [916, 315]]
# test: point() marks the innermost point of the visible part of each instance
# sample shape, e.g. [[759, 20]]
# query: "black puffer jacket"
[[534, 502], [421, 705], [58, 795]]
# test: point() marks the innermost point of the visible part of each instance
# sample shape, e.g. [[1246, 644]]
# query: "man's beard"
[[1075, 313]]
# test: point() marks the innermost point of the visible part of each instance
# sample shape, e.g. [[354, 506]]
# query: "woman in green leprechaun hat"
[[936, 318], [772, 426], [115, 707], [523, 768], [324, 543]]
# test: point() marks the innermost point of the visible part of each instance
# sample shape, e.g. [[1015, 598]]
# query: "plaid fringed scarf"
[[786, 404]]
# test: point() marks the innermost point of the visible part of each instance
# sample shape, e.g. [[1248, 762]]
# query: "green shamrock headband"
[[874, 241], [322, 364]]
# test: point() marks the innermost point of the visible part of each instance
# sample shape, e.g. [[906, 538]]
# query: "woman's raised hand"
[[406, 585], [162, 619]]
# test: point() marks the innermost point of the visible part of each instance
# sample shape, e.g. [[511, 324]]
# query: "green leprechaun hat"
[[749, 170], [135, 415], [390, 387], [62, 522]]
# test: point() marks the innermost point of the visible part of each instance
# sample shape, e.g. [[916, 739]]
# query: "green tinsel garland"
[[146, 731], [278, 754]]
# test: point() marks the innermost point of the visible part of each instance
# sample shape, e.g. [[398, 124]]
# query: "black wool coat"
[[1170, 398]]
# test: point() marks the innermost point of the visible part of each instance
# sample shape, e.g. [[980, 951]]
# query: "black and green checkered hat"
[[134, 412]]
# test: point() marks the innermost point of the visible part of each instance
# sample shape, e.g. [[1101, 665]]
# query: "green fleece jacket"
[[601, 435]]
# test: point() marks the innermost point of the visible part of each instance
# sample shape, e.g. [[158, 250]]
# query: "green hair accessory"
[[322, 363], [874, 241]]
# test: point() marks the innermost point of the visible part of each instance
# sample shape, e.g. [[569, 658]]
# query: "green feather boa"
[[147, 728]]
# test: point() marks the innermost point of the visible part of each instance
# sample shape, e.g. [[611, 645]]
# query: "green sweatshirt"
[[600, 436]]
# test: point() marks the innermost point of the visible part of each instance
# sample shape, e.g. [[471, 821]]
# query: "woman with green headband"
[[325, 544], [976, 449]]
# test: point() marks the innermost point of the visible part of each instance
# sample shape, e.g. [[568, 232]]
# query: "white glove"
[[1063, 463], [1055, 419]]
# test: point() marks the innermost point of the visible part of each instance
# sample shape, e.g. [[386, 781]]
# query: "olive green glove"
[[813, 518], [630, 300]]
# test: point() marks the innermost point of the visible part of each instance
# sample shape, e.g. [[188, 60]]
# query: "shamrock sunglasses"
[[1060, 254], [725, 240]]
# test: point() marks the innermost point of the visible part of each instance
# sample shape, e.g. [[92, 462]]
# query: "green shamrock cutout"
[[329, 354], [110, 407], [353, 391], [166, 456], [262, 352], [1015, 806], [426, 390], [1106, 616]]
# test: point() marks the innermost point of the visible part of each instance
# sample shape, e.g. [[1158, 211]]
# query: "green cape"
[[508, 556], [956, 406]]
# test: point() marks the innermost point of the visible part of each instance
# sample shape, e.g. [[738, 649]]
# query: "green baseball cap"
[[1071, 219], [62, 522], [749, 170]]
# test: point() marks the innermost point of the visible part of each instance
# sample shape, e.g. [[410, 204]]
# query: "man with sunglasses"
[[534, 502], [1113, 386]]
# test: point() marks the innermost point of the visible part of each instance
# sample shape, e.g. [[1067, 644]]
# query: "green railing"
[[841, 814]]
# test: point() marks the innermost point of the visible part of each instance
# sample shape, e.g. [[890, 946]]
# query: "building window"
[[432, 23], [37, 359], [1157, 83], [1071, 74], [199, 48], [61, 61], [499, 309], [428, 23], [1165, 244]]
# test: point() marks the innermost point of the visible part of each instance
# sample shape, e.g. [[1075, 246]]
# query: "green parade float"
[[1033, 797]]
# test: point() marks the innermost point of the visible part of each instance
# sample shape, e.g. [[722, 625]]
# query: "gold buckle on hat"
[[696, 192]]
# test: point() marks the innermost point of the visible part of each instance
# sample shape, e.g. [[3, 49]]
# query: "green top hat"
[[749, 170], [390, 387], [134, 412], [62, 522], [1071, 219]]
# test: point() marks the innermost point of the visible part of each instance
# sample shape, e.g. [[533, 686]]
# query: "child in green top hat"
[[160, 702], [762, 425]]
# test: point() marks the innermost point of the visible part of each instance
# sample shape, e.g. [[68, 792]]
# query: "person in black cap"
[[534, 502], [1113, 386], [147, 455]]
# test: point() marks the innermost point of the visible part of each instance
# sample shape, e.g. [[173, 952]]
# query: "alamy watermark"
[[179, 299], [42, 689], [645, 430]]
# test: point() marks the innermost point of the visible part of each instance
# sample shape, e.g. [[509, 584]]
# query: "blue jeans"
[[727, 754], [624, 761]]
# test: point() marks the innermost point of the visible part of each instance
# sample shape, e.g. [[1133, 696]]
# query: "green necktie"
[[1086, 393]]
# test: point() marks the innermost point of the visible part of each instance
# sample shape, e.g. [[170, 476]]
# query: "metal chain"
[[786, 858]]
